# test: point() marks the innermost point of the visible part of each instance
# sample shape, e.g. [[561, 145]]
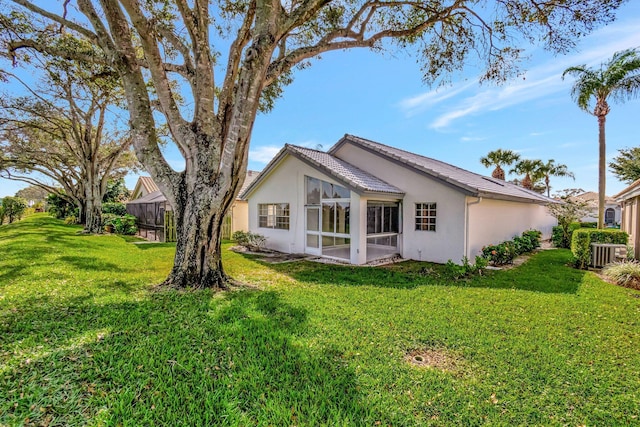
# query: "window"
[[273, 215], [426, 216], [383, 217]]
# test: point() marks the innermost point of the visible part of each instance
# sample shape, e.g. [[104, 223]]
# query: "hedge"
[[583, 238], [557, 234]]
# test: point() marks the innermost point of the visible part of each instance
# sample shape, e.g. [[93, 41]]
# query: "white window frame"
[[426, 211]]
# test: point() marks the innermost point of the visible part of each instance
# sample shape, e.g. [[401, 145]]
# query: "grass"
[[85, 342]]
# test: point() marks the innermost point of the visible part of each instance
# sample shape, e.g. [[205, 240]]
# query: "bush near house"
[[562, 240], [120, 224], [583, 238], [504, 253], [251, 241], [114, 208]]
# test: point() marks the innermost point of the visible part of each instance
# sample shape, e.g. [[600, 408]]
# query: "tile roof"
[[148, 184], [592, 196], [631, 191], [251, 176], [153, 197], [344, 171], [470, 182]]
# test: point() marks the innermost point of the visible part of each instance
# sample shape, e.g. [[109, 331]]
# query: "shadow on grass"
[[172, 359], [90, 263], [545, 271]]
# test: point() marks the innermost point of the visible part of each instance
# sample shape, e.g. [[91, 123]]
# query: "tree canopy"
[[62, 135], [619, 80], [232, 58], [626, 165], [498, 158]]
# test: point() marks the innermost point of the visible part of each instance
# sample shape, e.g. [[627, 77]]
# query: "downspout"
[[466, 226]]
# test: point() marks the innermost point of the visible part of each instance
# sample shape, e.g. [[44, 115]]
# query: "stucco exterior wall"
[[286, 184], [593, 217], [447, 242], [494, 221], [239, 216], [631, 222]]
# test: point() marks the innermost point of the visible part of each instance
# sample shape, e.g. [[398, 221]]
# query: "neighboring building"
[[629, 198], [153, 211], [144, 186], [612, 209], [362, 201], [237, 219]]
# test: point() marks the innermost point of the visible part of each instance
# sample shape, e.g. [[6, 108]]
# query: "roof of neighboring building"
[[154, 197], [151, 187], [592, 196], [469, 182], [251, 176], [631, 191], [354, 178]]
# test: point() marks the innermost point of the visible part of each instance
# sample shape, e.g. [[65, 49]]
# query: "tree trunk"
[[602, 168], [527, 183], [498, 173], [198, 260], [546, 183], [93, 203]]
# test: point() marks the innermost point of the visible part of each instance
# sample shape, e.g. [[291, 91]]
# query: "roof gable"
[[631, 191], [468, 182], [352, 177]]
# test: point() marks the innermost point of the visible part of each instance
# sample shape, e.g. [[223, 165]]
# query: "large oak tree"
[[62, 137], [235, 56]]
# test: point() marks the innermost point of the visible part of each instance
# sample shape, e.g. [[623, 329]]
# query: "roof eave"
[[509, 198]]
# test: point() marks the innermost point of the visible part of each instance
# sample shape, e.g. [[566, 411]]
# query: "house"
[[153, 211], [612, 209], [144, 186], [629, 198], [363, 200]]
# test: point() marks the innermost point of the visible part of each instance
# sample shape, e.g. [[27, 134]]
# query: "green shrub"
[[504, 253], [466, 269], [500, 254], [560, 239], [583, 238], [71, 219], [13, 208], [120, 224], [625, 273], [588, 224], [251, 241], [115, 208]]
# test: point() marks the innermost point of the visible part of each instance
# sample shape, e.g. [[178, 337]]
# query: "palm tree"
[[499, 158], [531, 169], [550, 169], [618, 79]]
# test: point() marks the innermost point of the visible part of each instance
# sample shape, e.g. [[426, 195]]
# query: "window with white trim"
[[426, 216], [273, 215]]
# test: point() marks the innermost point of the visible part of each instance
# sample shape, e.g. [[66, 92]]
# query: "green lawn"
[[83, 340]]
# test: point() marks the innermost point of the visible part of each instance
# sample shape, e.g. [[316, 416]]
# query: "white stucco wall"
[[494, 221], [239, 216], [594, 213], [286, 184], [447, 242]]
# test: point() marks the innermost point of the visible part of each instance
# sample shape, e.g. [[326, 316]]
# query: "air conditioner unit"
[[606, 253]]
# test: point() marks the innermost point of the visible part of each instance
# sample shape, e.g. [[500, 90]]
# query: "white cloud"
[[263, 154], [540, 81], [419, 103], [472, 138]]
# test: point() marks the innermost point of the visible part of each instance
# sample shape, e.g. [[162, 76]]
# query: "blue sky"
[[382, 97]]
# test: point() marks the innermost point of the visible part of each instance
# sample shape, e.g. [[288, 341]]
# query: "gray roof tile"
[[468, 181], [344, 171]]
